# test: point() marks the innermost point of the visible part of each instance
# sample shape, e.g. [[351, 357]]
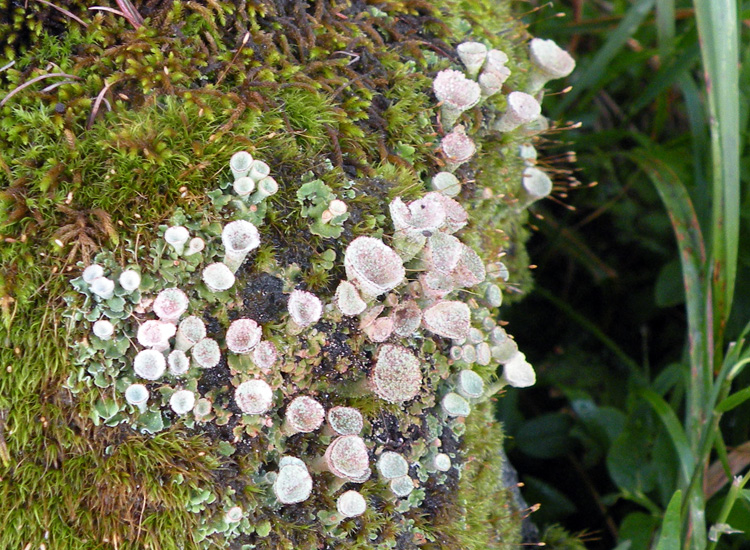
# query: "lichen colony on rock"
[[308, 215]]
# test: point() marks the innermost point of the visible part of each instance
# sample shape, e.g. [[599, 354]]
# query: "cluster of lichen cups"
[[458, 92], [396, 313]]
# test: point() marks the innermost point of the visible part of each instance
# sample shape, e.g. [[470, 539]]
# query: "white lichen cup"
[[92, 272], [490, 83], [347, 458], [305, 309], [397, 375], [259, 170], [351, 504], [536, 185], [155, 334], [303, 415], [457, 148], [254, 397], [178, 362], [348, 300], [472, 55], [240, 164], [195, 245], [233, 515], [176, 237], [239, 238], [170, 304], [550, 62], [449, 319], [265, 355], [337, 207], [103, 329], [469, 384], [456, 94], [149, 364], [495, 64], [243, 335], [190, 331], [137, 395], [344, 421], [293, 483], [455, 405], [441, 462], [391, 465], [182, 401], [402, 486], [522, 108], [266, 187], [218, 277], [244, 185], [518, 372], [446, 183], [129, 280], [103, 287], [206, 353], [373, 267]]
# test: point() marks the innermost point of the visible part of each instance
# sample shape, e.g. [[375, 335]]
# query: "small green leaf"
[[669, 538], [629, 461], [734, 400], [151, 422], [263, 528], [638, 529], [225, 448], [106, 409]]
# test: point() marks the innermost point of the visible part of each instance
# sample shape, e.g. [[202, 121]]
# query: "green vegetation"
[[650, 402]]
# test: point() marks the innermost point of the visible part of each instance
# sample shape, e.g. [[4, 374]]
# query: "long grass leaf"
[[596, 70], [665, 26], [696, 113], [674, 429], [718, 30], [692, 257], [666, 77]]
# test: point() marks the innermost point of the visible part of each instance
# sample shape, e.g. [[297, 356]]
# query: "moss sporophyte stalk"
[[294, 313]]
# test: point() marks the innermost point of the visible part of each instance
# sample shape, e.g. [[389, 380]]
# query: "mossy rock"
[[114, 126]]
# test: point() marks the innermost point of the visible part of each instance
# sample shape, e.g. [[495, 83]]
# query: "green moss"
[[146, 122], [490, 521]]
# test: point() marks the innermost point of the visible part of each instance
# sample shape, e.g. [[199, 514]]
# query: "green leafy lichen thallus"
[[303, 355]]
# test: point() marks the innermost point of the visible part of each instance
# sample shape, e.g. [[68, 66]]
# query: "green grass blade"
[[674, 428], [734, 400], [669, 538], [693, 258], [718, 30], [697, 118], [723, 455], [597, 70], [668, 75], [665, 26]]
